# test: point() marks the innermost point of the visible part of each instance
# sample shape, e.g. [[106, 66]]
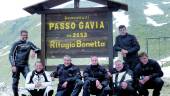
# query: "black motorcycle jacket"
[[19, 53]]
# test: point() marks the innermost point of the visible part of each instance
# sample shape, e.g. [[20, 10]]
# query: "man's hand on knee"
[[98, 84]]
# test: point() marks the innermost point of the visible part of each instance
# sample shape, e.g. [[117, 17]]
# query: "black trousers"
[[73, 89], [131, 63], [89, 87], [156, 84], [39, 92], [16, 76], [129, 91]]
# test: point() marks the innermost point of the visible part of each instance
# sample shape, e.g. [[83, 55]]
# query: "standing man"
[[95, 79], [69, 75], [148, 74], [19, 55], [128, 45]]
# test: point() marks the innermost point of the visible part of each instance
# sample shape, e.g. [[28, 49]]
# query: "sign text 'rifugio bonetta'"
[[78, 34]]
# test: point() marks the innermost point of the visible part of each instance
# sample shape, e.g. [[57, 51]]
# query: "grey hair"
[[67, 56], [38, 61], [118, 61]]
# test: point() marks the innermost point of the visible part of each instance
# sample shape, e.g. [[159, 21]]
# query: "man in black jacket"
[[128, 45], [69, 75], [19, 55], [148, 74], [95, 79], [122, 80]]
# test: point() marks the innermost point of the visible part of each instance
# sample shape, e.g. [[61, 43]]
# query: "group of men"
[[129, 78], [145, 73]]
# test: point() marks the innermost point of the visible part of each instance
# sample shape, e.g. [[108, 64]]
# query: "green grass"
[[76, 61]]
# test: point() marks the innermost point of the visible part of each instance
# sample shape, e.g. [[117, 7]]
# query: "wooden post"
[[43, 49], [110, 23], [76, 3]]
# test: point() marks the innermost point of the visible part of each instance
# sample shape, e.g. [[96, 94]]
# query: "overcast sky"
[[13, 9]]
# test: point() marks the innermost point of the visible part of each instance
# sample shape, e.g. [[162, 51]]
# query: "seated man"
[[122, 80], [148, 74], [38, 82], [95, 79], [69, 75]]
